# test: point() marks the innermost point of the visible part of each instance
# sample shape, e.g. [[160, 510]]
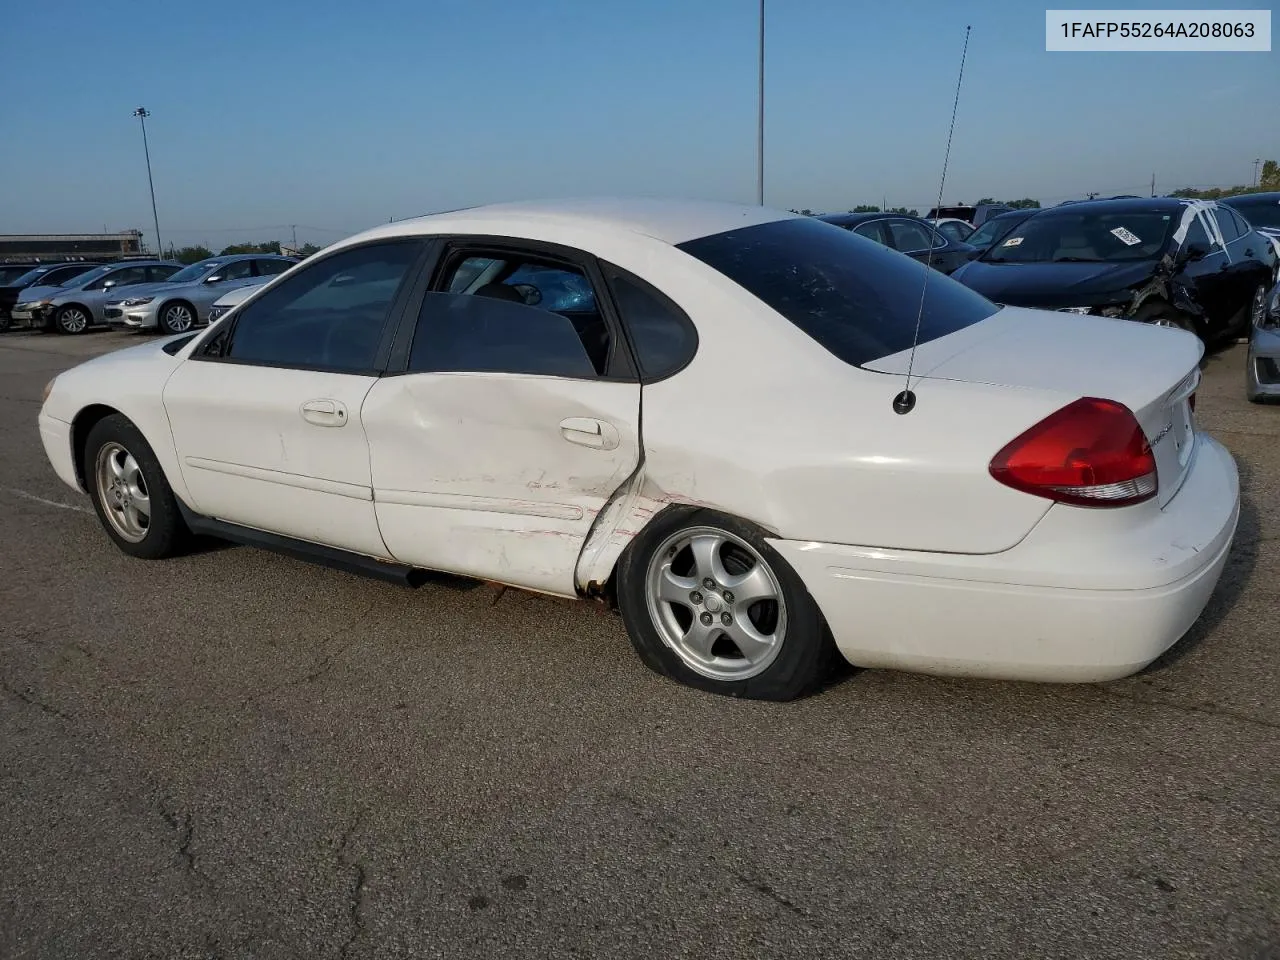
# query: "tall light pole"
[[760, 119], [142, 113]]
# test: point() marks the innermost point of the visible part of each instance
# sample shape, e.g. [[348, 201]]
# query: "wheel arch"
[[85, 421], [195, 314]]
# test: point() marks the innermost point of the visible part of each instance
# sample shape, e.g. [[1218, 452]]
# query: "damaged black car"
[[1192, 264]]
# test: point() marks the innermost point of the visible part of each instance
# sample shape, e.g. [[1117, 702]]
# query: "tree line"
[[198, 252]]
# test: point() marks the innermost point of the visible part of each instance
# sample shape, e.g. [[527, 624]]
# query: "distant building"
[[70, 246]]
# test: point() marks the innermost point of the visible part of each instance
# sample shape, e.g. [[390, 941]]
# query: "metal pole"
[[760, 119], [142, 113]]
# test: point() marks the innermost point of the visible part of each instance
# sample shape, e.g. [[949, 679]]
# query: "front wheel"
[[71, 319], [130, 494], [177, 317], [709, 603]]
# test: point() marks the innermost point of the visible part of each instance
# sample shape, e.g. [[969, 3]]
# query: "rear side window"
[[872, 231], [662, 334], [1227, 224], [163, 272], [909, 237], [269, 268], [856, 298]]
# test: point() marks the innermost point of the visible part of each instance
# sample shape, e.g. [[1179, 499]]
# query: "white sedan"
[[697, 411]]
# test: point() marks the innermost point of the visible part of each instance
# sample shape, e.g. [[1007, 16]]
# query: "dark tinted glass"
[[664, 337], [330, 315], [157, 274], [269, 268], [1261, 212], [1227, 224], [1197, 235], [1093, 237], [909, 236], [856, 298], [1243, 225], [9, 274], [236, 270], [872, 231], [480, 334]]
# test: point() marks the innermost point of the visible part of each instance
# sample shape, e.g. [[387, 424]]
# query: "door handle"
[[324, 413], [589, 432]]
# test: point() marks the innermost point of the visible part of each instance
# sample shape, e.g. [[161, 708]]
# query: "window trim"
[[395, 315], [621, 366], [611, 270]]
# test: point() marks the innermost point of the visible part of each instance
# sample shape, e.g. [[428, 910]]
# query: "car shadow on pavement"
[[1235, 577]]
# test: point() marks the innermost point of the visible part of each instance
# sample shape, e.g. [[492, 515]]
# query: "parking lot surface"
[[237, 754]]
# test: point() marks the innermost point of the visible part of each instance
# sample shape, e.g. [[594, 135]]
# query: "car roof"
[[671, 221], [847, 218], [1272, 196], [1123, 205]]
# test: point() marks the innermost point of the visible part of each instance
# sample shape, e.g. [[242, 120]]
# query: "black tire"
[[166, 533], [1158, 311], [66, 320], [164, 321], [807, 652]]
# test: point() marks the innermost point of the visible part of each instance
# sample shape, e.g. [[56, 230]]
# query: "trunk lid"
[[1151, 370]]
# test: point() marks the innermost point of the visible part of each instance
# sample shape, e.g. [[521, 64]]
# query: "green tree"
[[191, 254], [905, 211], [983, 201], [1026, 203], [1270, 179], [865, 208], [271, 246], [308, 249]]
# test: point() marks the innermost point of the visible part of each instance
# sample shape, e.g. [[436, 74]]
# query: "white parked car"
[[689, 407]]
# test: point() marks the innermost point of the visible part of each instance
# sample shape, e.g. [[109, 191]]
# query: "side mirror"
[[108, 284], [214, 279], [1194, 251]]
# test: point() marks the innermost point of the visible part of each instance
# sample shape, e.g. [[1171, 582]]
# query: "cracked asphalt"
[[236, 754]]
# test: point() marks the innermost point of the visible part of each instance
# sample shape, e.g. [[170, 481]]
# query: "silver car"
[[1262, 368], [80, 302], [184, 300]]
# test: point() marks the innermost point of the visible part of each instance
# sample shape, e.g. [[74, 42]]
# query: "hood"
[[39, 293], [1054, 284], [141, 290]]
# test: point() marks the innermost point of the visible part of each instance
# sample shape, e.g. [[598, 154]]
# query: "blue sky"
[[334, 115]]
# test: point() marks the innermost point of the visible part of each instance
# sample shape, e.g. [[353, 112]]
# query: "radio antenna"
[[905, 402]]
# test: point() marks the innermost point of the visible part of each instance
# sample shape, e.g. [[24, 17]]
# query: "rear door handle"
[[589, 432], [324, 413]]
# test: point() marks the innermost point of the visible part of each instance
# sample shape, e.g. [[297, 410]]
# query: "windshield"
[[1260, 213], [194, 272], [1086, 238], [992, 230], [50, 276], [91, 275], [857, 298]]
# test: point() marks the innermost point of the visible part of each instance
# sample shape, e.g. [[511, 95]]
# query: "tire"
[[1161, 314], [176, 317], [72, 319], [115, 440], [798, 653]]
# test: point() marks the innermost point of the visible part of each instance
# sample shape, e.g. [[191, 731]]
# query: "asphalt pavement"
[[237, 754]]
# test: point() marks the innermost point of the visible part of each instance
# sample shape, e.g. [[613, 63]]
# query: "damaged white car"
[[698, 410]]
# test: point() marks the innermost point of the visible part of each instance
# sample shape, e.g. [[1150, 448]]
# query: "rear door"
[[514, 417]]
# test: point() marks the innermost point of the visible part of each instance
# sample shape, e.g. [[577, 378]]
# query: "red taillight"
[[1091, 452]]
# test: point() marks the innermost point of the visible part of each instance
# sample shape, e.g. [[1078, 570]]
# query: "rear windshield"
[[1260, 213], [857, 298]]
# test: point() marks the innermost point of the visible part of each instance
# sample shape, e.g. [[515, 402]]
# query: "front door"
[[515, 419], [266, 412], [1209, 275]]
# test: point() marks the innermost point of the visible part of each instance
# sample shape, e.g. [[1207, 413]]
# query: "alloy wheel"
[[73, 320], [122, 491], [177, 318], [716, 603]]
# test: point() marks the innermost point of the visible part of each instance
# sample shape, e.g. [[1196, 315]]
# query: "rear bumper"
[[1088, 595], [55, 434]]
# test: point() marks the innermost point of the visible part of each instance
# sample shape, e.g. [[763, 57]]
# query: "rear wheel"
[[177, 317], [130, 494], [709, 603], [71, 319]]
